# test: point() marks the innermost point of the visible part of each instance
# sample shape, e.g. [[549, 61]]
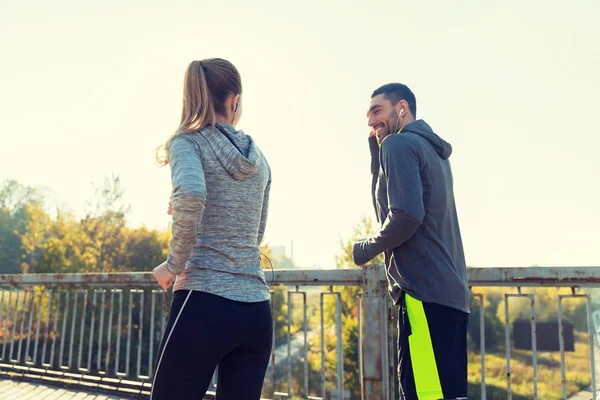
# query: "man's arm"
[[400, 161], [189, 195], [374, 148]]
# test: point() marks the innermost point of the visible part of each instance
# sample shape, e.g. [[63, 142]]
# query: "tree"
[[100, 242], [494, 328], [108, 200], [13, 196], [65, 248], [97, 243], [105, 225], [10, 243], [145, 249], [18, 204]]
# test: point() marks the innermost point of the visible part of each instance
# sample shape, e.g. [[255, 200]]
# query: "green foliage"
[[494, 329], [33, 242], [18, 206], [146, 248], [364, 229]]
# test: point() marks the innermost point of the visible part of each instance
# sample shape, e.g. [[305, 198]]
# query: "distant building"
[[278, 251]]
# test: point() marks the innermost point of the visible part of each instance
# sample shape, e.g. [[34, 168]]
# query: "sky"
[[89, 89]]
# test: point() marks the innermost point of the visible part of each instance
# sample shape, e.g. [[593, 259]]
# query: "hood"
[[421, 128], [235, 150]]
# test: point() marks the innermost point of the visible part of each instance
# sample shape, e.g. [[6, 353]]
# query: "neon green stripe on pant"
[[427, 380]]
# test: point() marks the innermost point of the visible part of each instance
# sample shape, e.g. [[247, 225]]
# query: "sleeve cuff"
[[171, 266], [360, 254], [373, 145]]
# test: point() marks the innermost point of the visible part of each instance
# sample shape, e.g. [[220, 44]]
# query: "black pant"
[[205, 330], [446, 333]]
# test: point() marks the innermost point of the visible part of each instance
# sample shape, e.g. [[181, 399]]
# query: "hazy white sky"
[[90, 88]]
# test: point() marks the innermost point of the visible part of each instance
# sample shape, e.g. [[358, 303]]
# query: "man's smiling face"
[[383, 117]]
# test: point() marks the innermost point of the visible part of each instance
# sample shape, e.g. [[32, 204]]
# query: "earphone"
[[234, 111], [398, 120], [272, 270]]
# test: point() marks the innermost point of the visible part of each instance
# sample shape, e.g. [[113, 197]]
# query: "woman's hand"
[[163, 276]]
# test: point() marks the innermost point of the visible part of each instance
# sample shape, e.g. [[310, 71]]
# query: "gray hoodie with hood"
[[414, 201], [221, 184]]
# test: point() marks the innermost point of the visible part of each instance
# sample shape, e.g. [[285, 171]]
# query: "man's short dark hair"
[[394, 92]]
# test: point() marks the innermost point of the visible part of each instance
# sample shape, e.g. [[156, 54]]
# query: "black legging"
[[205, 330]]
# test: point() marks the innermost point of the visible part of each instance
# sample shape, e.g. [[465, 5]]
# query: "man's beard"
[[394, 123]]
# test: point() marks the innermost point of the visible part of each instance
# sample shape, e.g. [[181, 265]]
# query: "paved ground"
[[584, 395], [34, 391], [11, 390]]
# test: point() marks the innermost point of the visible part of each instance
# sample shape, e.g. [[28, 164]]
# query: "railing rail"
[[493, 276]]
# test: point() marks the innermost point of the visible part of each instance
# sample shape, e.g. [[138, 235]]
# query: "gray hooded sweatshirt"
[[221, 184], [414, 201]]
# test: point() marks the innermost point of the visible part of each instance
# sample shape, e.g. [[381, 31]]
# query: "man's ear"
[[402, 105]]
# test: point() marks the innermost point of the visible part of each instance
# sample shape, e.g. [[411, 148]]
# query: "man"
[[414, 202]]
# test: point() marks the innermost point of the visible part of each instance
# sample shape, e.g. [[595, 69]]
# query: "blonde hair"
[[206, 85]]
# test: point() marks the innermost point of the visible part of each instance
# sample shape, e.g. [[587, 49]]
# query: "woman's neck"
[[222, 119]]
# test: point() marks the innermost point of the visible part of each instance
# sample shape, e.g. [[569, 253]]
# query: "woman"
[[221, 312]]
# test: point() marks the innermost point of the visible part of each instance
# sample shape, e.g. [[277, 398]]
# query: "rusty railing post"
[[374, 335]]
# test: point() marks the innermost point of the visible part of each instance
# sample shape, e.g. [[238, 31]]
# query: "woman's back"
[[220, 313], [225, 168]]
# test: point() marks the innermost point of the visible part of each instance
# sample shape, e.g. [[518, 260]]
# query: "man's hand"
[[163, 276], [360, 254]]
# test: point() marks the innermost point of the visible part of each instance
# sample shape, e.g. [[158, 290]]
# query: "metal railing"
[[574, 278], [104, 329]]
